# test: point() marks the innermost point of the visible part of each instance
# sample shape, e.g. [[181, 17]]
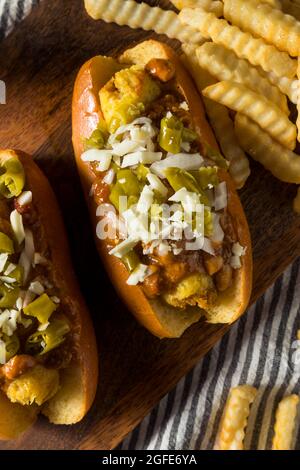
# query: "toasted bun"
[[159, 318], [78, 383]]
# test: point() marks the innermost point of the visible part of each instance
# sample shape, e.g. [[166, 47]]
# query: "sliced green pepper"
[[115, 194], [124, 114], [17, 274], [129, 182], [170, 136], [6, 244], [178, 179], [12, 345], [131, 261], [127, 185], [188, 135], [8, 297], [41, 308], [208, 222], [41, 342], [12, 179], [216, 157], [156, 210], [142, 172], [206, 176], [98, 138], [114, 167]]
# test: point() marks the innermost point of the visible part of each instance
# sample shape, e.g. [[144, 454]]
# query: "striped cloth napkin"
[[260, 349]]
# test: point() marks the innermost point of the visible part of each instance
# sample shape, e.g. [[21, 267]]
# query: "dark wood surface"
[[38, 63]]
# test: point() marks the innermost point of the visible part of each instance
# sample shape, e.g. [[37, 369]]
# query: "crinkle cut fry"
[[142, 15], [288, 86], [220, 121], [241, 99], [261, 20], [281, 162], [224, 64], [235, 416], [257, 51], [224, 129], [214, 6], [285, 423]]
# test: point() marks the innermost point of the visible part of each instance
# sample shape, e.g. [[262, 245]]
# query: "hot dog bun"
[[78, 382], [160, 319]]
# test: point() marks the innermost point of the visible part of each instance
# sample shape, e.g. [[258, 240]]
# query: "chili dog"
[[140, 136], [48, 354]]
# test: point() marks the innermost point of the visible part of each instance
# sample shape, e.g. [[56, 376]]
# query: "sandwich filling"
[[162, 204], [35, 340]]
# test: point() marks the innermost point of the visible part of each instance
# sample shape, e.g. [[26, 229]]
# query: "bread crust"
[[83, 373], [85, 115]]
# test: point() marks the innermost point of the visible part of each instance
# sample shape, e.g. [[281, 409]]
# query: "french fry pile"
[[233, 424], [244, 57], [251, 54]]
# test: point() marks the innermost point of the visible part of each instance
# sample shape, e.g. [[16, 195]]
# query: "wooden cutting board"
[[38, 63]]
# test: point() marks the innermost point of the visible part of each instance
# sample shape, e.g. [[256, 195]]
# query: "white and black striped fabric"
[[12, 12], [259, 350]]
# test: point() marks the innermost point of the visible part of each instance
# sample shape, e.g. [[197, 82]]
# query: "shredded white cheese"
[[184, 106], [235, 262], [27, 256], [218, 233], [10, 268], [109, 177], [8, 280], [125, 147], [124, 247], [25, 198], [28, 298], [16, 221], [150, 157], [39, 259], [138, 275], [19, 303], [146, 199], [190, 201], [237, 252], [3, 261], [144, 122], [207, 247], [163, 249], [2, 352], [157, 185], [184, 161], [37, 288], [238, 249], [8, 321], [43, 326], [132, 159], [96, 155], [145, 157], [220, 196], [185, 147], [136, 224]]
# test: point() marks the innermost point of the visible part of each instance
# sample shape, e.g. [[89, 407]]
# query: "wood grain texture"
[[39, 63]]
